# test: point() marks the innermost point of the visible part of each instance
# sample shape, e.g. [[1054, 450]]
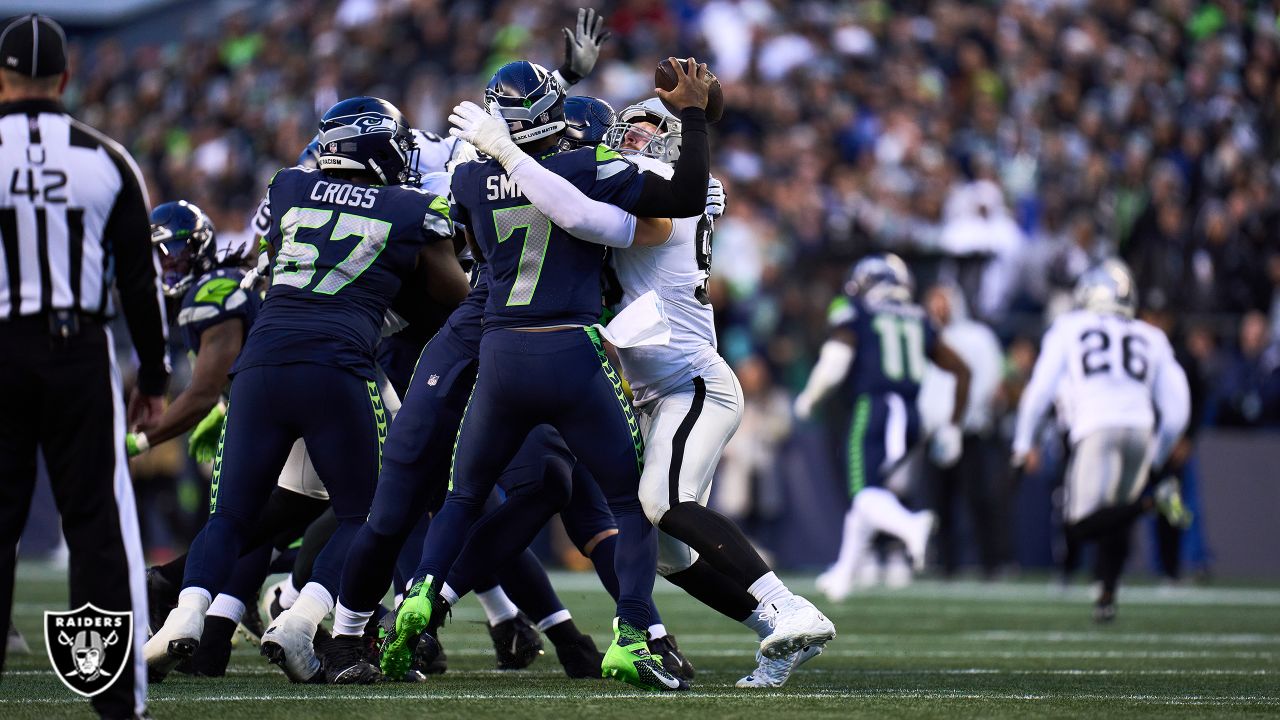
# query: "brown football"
[[664, 77]]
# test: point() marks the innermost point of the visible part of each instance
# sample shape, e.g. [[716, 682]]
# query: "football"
[[665, 78]]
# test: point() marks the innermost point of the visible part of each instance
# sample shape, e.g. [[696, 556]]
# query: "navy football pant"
[[882, 430], [338, 414], [561, 378]]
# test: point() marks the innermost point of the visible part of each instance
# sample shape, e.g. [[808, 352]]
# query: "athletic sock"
[[884, 512], [768, 589], [715, 590], [314, 603], [716, 538], [657, 631], [498, 608], [349, 622], [195, 598], [449, 595], [561, 631], [226, 606], [288, 593]]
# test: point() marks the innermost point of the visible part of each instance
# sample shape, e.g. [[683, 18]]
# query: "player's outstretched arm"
[[1172, 394], [1039, 393], [684, 194], [582, 47], [219, 347], [947, 359], [833, 365], [554, 196]]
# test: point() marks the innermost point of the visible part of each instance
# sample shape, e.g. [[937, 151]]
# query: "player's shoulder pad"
[[215, 293], [438, 216], [609, 162], [842, 310]]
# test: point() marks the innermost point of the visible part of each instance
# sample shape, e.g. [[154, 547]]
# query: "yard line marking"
[[517, 675], [1098, 636]]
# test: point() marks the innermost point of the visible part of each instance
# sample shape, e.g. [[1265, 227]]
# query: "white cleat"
[[799, 624], [918, 543], [774, 673], [174, 642], [288, 642]]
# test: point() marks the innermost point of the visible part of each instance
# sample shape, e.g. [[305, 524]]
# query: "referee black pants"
[[65, 398]]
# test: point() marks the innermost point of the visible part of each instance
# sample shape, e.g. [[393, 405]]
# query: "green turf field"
[[932, 650]]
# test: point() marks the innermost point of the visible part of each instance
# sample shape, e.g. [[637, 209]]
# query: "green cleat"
[[412, 618], [1169, 504], [628, 659]]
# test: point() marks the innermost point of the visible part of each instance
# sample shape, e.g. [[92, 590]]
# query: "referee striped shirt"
[[73, 223]]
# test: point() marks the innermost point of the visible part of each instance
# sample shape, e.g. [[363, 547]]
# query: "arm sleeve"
[[128, 232], [830, 370], [566, 206], [1039, 394], [1173, 401], [685, 194]]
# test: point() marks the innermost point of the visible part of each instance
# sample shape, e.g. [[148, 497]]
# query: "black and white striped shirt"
[[73, 222]]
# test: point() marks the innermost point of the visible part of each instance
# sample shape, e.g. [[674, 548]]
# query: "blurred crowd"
[[1001, 147]]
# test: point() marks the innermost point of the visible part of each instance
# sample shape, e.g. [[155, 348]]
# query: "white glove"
[[946, 445], [803, 406], [488, 133], [582, 46], [715, 198]]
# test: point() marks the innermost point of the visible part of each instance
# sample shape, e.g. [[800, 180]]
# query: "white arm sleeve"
[[833, 364], [566, 206], [1173, 401], [1040, 391]]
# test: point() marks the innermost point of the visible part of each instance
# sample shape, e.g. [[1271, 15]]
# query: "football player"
[[879, 342], [690, 400], [351, 233], [544, 295], [1125, 401]]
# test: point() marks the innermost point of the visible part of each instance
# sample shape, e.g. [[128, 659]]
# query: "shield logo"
[[88, 646]]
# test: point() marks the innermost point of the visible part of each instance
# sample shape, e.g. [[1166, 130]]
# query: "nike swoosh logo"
[[674, 684], [515, 639]]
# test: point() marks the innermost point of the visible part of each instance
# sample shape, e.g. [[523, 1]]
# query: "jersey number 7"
[[296, 261]]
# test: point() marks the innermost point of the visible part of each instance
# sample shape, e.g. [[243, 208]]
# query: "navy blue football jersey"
[[216, 298], [341, 252], [894, 342], [540, 274]]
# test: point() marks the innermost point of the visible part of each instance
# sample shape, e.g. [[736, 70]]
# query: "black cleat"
[[580, 658], [345, 661], [517, 642], [428, 655], [251, 627], [673, 660], [211, 658], [162, 596]]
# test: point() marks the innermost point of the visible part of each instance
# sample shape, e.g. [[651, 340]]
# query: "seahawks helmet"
[[587, 120], [881, 278], [1107, 288], [659, 139], [184, 237], [310, 157], [368, 135], [527, 96]]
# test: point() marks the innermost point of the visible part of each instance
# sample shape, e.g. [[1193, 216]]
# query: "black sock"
[[563, 633], [1102, 522], [1113, 550], [715, 590], [173, 570], [717, 539], [217, 631], [313, 541]]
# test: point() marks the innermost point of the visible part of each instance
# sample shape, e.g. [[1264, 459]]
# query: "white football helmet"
[[661, 143]]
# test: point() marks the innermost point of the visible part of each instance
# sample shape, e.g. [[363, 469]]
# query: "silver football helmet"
[[661, 141], [881, 278], [1107, 288]]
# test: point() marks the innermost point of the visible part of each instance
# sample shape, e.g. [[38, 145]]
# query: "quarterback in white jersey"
[[1124, 401], [689, 398]]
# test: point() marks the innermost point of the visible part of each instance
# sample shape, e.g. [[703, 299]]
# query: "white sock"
[[553, 620], [449, 595], [760, 621], [349, 622], [497, 606], [854, 540], [225, 606], [769, 589], [288, 594], [194, 598], [313, 605], [657, 630], [884, 512]]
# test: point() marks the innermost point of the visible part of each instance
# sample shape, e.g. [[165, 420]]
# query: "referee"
[[73, 224]]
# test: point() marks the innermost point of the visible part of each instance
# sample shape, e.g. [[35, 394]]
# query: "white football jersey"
[[1104, 371], [675, 270]]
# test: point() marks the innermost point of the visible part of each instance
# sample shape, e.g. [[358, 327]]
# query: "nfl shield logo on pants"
[[88, 647]]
